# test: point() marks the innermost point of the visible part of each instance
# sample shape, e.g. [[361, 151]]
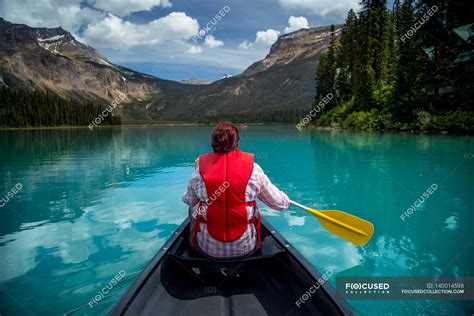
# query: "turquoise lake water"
[[93, 204]]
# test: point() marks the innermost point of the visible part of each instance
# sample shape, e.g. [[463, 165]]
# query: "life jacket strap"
[[197, 227], [256, 221]]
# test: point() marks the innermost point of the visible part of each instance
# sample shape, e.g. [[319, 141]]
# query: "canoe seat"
[[181, 251]]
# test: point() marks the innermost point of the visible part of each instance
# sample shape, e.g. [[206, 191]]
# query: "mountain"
[[194, 81], [283, 80], [52, 59], [305, 44]]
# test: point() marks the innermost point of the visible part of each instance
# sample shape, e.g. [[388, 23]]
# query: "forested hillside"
[[24, 108], [407, 67]]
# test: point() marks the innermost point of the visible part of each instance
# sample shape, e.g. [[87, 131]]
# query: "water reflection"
[[378, 176], [84, 167], [93, 204]]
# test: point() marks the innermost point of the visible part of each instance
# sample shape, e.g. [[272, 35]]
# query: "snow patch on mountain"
[[50, 39]]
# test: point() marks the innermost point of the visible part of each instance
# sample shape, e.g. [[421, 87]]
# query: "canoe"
[[276, 280]]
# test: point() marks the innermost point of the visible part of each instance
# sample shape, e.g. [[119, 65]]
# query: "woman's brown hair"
[[225, 138]]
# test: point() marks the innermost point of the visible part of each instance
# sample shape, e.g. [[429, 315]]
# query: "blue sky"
[[169, 38]]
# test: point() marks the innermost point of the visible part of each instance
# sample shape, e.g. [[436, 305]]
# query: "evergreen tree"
[[23, 108], [346, 58], [392, 67], [408, 92], [326, 70]]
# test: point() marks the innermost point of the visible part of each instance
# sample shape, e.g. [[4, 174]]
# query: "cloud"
[[266, 38], [114, 32], [263, 39], [49, 13], [322, 7], [296, 23], [102, 29], [233, 59], [105, 26], [194, 50], [452, 223], [245, 45], [294, 220], [125, 7], [211, 42]]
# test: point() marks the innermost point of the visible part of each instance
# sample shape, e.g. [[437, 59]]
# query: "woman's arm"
[[189, 197], [269, 193]]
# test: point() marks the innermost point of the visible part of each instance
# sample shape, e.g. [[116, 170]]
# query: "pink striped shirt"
[[259, 186]]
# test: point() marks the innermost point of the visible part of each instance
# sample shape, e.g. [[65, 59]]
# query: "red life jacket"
[[226, 177]]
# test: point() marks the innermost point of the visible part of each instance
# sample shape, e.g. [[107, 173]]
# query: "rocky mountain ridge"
[[52, 59]]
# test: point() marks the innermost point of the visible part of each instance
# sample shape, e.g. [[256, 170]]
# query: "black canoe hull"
[[273, 281]]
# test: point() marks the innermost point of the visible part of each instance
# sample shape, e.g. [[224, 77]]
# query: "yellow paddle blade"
[[349, 227]]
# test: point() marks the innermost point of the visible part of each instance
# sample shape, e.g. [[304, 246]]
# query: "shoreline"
[[310, 127], [128, 125], [95, 127], [397, 131]]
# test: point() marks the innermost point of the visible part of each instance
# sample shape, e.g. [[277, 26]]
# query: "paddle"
[[349, 227]]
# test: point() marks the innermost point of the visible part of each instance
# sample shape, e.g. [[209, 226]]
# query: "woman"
[[221, 193]]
